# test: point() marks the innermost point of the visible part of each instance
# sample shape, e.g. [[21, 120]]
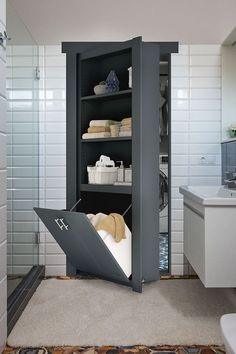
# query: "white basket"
[[102, 175], [104, 172]]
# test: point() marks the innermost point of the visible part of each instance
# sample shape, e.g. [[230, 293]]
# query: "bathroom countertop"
[[228, 140]]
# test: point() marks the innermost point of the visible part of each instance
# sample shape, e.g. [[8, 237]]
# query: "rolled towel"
[[101, 123], [96, 135], [98, 129]]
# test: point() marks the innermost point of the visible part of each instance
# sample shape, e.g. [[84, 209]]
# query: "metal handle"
[[4, 37]]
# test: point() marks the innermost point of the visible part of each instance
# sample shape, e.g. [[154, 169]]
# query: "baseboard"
[[20, 297]]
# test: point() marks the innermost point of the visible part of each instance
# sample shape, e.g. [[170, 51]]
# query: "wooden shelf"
[[105, 188], [105, 96], [98, 140]]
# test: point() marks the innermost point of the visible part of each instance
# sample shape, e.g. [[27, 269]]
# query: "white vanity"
[[210, 233]]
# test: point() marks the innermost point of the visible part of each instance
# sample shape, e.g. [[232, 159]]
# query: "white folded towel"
[[125, 133], [96, 135], [102, 123]]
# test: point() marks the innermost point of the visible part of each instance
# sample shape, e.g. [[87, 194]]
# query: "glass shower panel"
[[22, 151]]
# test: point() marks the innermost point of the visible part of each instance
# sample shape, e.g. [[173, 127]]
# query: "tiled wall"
[[196, 115], [196, 130], [3, 241], [52, 149], [22, 158]]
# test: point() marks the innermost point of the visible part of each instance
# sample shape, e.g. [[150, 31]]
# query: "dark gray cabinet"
[[228, 150], [86, 65]]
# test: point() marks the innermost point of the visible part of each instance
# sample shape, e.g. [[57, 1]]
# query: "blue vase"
[[112, 82]]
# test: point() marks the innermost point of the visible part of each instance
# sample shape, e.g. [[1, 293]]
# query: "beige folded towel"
[[96, 135], [125, 128], [126, 121], [127, 133], [114, 224], [98, 129], [102, 123]]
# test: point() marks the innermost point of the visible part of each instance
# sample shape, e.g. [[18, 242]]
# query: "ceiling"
[[186, 21]]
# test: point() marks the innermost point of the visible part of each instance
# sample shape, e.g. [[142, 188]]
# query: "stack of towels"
[[126, 127], [99, 129]]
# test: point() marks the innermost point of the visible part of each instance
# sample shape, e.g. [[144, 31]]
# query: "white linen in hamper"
[[121, 251]]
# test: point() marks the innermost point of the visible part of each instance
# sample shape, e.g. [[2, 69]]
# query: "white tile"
[[211, 116], [55, 270], [177, 215], [179, 138], [53, 248], [205, 71], [52, 50], [3, 256], [180, 93], [177, 269], [3, 11], [179, 181], [180, 82], [3, 231], [178, 60], [3, 107], [175, 194], [206, 148], [2, 151], [177, 236], [183, 49], [55, 259], [205, 127], [2, 188], [179, 71], [204, 137], [59, 94], [55, 105], [55, 60], [205, 93], [177, 204], [177, 259], [59, 182], [177, 247], [57, 72], [179, 160], [55, 138], [179, 170], [55, 117], [3, 78], [205, 181], [179, 104], [22, 61], [179, 115], [206, 49], [179, 149], [209, 159], [179, 126], [55, 127], [205, 104], [24, 50], [205, 171], [205, 60], [205, 82], [55, 83]]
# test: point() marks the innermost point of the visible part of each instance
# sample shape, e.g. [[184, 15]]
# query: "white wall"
[[3, 241], [196, 130], [196, 126]]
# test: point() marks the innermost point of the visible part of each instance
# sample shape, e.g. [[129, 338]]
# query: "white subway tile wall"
[[52, 149], [196, 115], [195, 134], [22, 158], [3, 210]]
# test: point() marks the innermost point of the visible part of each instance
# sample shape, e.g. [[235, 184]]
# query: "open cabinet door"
[[85, 68], [81, 243]]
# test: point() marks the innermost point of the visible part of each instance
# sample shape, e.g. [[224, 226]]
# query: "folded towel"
[[98, 129], [96, 135], [114, 224], [95, 219], [125, 128], [127, 133], [101, 123], [126, 121]]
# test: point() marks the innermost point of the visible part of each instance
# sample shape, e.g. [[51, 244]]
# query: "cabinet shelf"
[[98, 140], [106, 188], [105, 96]]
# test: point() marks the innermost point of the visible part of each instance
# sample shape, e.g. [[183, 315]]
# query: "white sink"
[[210, 195]]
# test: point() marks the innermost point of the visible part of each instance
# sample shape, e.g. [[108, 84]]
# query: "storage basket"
[[104, 172]]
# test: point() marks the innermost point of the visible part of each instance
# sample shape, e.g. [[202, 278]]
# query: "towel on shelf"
[[102, 123], [98, 129], [114, 224], [126, 121], [125, 128], [96, 135], [126, 133]]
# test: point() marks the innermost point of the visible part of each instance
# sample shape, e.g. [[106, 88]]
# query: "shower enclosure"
[[22, 164]]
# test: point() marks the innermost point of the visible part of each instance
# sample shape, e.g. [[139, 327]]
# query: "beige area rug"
[[96, 312]]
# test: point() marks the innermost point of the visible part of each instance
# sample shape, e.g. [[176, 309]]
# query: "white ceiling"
[[186, 21]]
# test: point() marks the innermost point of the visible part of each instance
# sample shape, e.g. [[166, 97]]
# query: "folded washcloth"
[[114, 224], [102, 123], [125, 128], [127, 133], [96, 135], [98, 129], [126, 121]]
